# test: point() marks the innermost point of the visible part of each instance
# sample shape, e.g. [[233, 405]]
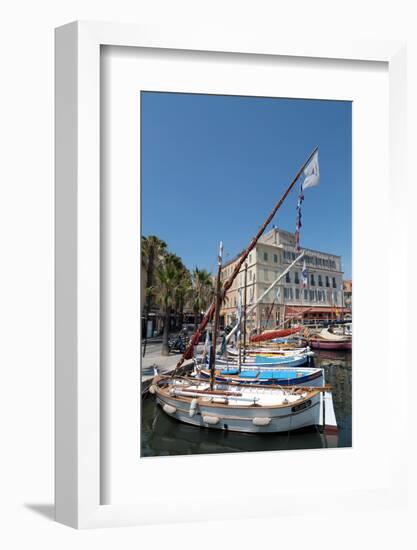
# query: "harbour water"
[[162, 435]]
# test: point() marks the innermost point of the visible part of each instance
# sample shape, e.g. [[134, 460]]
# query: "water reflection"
[[162, 435]]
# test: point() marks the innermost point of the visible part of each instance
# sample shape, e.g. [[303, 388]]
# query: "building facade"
[[347, 295], [321, 299]]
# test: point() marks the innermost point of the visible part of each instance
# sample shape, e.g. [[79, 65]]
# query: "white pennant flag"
[[304, 276], [312, 172]]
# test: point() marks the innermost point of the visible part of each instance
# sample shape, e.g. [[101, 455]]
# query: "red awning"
[[292, 311]]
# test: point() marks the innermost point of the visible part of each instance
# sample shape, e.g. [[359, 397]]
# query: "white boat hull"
[[249, 418]]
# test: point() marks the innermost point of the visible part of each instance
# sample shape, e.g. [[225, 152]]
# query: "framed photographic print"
[[221, 208]]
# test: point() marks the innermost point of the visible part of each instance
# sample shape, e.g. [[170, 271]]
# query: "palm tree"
[[169, 275], [183, 289], [183, 294], [202, 292], [153, 250]]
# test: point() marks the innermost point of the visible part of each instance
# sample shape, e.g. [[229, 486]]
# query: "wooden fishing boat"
[[312, 377], [272, 334], [239, 408], [329, 341], [335, 346], [269, 362], [269, 351]]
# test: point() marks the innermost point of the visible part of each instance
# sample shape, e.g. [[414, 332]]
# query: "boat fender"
[[261, 421], [152, 389], [193, 407], [212, 420], [169, 409]]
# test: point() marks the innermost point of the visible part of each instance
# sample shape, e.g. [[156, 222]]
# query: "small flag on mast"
[[312, 172], [311, 175], [304, 279]]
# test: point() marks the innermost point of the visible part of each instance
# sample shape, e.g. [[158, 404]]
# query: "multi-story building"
[[347, 295], [321, 298]]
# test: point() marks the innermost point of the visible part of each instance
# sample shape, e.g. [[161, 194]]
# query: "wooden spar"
[[268, 220], [297, 389], [245, 313], [211, 392], [216, 316], [209, 314]]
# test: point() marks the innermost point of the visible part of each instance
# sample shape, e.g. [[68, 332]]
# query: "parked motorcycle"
[[178, 344]]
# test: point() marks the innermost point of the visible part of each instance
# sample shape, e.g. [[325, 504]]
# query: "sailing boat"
[[237, 407], [274, 333], [284, 376], [328, 340]]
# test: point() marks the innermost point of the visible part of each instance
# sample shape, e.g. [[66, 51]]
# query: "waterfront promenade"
[[153, 357]]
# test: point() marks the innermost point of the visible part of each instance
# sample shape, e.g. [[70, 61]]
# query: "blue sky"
[[214, 166]]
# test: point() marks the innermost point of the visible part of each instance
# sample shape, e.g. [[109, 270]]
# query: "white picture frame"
[[78, 405]]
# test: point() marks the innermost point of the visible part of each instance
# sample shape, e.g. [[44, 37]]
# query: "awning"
[[292, 311]]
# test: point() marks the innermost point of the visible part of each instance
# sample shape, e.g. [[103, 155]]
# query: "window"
[[250, 258], [312, 295], [275, 258], [296, 278], [293, 256], [266, 275], [297, 293], [320, 282], [305, 294], [334, 282], [287, 277], [265, 256], [327, 281], [288, 293], [312, 281]]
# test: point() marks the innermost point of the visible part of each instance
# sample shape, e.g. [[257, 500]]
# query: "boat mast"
[[228, 283], [245, 313], [239, 344], [218, 302]]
